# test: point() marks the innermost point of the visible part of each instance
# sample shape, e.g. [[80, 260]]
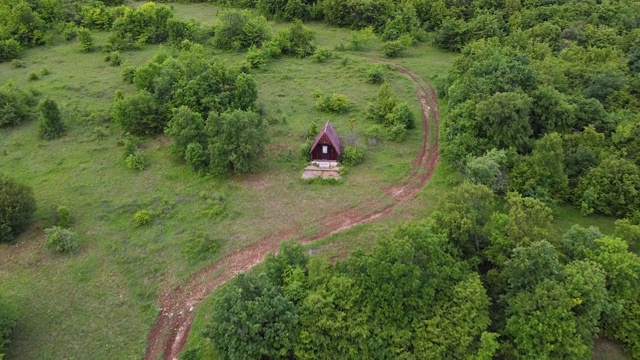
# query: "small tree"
[[236, 141], [50, 124], [85, 39], [17, 205]]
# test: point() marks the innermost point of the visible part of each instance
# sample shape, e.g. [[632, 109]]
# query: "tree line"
[[473, 281]]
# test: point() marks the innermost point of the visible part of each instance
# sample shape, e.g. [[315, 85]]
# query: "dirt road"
[[170, 332]]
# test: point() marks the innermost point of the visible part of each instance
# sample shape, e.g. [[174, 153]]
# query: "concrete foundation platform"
[[321, 169]]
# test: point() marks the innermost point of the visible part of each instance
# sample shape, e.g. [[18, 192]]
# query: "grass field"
[[100, 302]]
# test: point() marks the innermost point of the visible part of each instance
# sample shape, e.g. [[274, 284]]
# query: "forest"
[[497, 256]]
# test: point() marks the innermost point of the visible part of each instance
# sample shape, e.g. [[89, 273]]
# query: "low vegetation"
[[540, 116], [17, 205]]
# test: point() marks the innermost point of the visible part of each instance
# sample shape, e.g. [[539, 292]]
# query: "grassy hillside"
[[100, 302]]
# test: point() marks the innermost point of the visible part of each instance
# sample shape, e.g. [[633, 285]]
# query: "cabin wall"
[[316, 153]]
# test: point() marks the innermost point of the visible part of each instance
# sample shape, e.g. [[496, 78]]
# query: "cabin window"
[[325, 149]]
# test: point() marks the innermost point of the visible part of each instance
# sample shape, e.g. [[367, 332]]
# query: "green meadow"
[[100, 302]]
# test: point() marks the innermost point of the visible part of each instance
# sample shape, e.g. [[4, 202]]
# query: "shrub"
[[85, 39], [115, 59], [297, 40], [15, 106], [61, 240], [333, 103], [136, 161], [128, 74], [45, 72], [179, 31], [131, 144], [375, 131], [17, 64], [375, 74], [139, 114], [238, 30], [393, 48], [34, 76], [69, 31], [9, 50], [397, 133], [402, 114], [7, 323], [50, 124], [138, 26], [63, 217], [17, 206], [358, 40], [257, 58], [305, 151], [195, 156], [322, 55], [201, 247], [142, 217], [352, 155]]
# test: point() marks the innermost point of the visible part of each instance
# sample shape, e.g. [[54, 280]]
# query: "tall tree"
[[252, 320]]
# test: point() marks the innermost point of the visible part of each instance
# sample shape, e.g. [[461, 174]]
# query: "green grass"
[[101, 302]]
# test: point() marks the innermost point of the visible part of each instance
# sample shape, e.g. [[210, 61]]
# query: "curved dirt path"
[[169, 334]]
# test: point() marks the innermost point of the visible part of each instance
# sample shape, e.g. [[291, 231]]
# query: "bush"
[[63, 217], [7, 323], [195, 156], [128, 74], [352, 155], [69, 31], [358, 40], [142, 217], [17, 64], [138, 26], [332, 103], [201, 247], [239, 29], [9, 50], [136, 161], [85, 39], [45, 72], [15, 106], [34, 76], [322, 55], [397, 133], [115, 59], [50, 124], [297, 40], [402, 114], [17, 206], [375, 74], [139, 114], [257, 58], [394, 48], [61, 240], [179, 31], [305, 151]]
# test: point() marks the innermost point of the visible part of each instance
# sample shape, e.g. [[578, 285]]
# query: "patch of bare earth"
[[169, 334]]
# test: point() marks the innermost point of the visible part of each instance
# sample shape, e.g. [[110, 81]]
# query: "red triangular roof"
[[332, 135]]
